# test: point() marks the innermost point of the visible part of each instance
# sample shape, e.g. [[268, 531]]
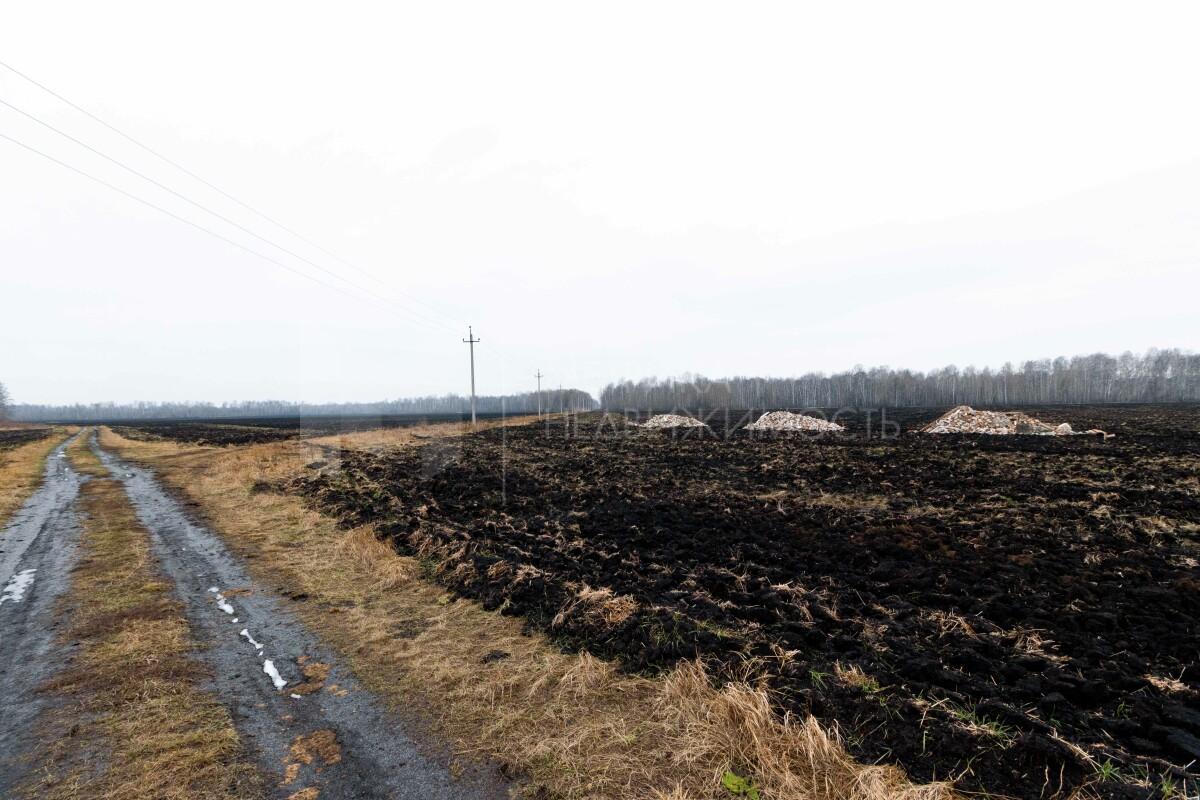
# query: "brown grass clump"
[[573, 724], [134, 724], [736, 729], [600, 608], [21, 471], [83, 459]]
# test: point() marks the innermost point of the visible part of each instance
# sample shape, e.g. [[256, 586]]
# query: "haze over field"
[[758, 197]]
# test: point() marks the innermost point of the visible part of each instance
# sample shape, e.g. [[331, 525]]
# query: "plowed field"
[[1020, 613]]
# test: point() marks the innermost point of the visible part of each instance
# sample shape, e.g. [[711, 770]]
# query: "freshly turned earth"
[[1022, 609]]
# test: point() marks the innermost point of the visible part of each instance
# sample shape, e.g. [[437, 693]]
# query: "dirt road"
[[303, 713], [37, 550], [304, 717]]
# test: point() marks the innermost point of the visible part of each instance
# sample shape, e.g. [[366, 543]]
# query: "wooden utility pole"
[[539, 376], [471, 340]]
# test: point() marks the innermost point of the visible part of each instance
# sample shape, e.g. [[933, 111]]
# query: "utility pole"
[[471, 340], [539, 376]]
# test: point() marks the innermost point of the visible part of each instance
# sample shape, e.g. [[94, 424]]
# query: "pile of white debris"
[[787, 421], [671, 421], [964, 419]]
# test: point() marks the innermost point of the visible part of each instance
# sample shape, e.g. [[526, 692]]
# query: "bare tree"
[[5, 401], [1158, 376], [567, 399]]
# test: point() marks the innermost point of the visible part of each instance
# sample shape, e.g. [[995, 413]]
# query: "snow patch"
[[246, 632], [276, 678], [17, 585], [222, 603]]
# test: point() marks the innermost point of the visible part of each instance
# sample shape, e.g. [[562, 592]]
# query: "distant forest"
[[554, 400], [1158, 376]]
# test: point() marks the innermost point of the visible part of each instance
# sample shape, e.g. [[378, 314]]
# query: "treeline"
[[555, 400], [1158, 376]]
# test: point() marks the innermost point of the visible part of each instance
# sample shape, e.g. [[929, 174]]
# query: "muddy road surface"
[[306, 718], [37, 551]]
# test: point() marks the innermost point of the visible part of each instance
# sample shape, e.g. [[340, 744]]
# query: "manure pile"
[[964, 419], [787, 421], [659, 421]]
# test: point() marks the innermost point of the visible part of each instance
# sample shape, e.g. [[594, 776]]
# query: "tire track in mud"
[[38, 548], [310, 723]]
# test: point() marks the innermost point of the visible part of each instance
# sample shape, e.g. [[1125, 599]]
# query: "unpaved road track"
[[241, 627], [37, 551], [299, 711]]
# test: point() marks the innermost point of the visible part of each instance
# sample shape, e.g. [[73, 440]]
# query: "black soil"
[[206, 433], [15, 437], [1023, 610], [258, 430]]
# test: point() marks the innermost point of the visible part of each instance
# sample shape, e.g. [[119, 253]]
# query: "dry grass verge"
[[572, 723], [83, 459], [21, 471], [134, 724], [381, 438]]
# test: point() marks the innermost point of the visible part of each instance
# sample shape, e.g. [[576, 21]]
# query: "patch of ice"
[[246, 632], [17, 585], [276, 678], [213, 589]]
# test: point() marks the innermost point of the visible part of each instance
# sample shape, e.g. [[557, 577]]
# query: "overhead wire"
[[187, 221], [420, 315], [437, 313]]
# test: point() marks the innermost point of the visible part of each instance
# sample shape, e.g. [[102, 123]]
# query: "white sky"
[[616, 190]]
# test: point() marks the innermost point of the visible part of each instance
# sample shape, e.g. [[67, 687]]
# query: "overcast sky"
[[603, 191]]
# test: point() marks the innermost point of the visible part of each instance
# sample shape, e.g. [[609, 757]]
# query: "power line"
[[471, 340], [184, 220], [207, 183], [419, 315]]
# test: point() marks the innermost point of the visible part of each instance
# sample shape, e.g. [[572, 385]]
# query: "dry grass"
[[133, 723], [83, 459], [573, 724], [21, 471], [383, 438]]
